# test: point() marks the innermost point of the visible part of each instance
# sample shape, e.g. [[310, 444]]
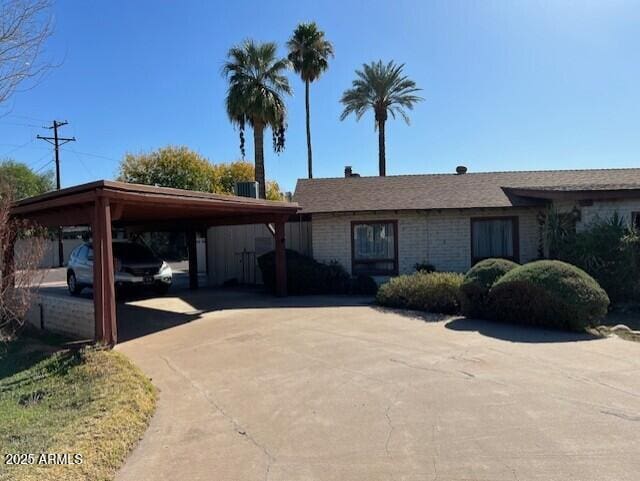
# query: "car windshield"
[[131, 252]]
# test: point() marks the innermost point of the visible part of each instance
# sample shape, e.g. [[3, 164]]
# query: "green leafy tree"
[[384, 89], [309, 54], [177, 167], [182, 168], [225, 175], [257, 85], [21, 181], [273, 191]]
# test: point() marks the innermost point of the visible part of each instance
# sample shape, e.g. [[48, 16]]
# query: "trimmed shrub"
[[548, 293], [308, 276], [433, 292], [474, 290]]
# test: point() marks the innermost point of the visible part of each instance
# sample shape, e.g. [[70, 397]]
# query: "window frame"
[[515, 225], [375, 272]]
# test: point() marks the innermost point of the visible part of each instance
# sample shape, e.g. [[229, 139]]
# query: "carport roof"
[[135, 203], [104, 203]]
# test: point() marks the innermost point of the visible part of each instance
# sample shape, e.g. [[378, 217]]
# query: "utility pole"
[[57, 142]]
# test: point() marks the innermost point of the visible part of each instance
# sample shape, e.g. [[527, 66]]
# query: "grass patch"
[[90, 401]]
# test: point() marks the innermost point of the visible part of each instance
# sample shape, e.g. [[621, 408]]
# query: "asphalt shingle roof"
[[450, 191]]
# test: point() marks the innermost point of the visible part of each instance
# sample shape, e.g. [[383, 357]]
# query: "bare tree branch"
[[25, 26], [20, 276]]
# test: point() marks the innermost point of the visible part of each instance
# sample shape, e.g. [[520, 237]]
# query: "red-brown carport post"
[[281, 260], [104, 297], [192, 249]]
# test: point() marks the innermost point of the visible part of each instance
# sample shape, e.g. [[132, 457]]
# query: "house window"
[[494, 237], [635, 220], [374, 248]]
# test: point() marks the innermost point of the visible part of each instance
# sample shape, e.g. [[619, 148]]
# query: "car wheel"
[[72, 284]]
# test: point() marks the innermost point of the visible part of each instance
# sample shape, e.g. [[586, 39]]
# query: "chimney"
[[461, 169], [348, 172]]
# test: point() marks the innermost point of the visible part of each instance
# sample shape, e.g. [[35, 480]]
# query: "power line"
[[38, 167], [42, 168], [86, 168], [18, 147], [25, 117], [98, 156], [20, 124]]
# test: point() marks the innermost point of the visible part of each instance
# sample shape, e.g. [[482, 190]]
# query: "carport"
[[106, 204]]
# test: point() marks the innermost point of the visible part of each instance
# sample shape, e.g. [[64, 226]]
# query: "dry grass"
[[92, 402]]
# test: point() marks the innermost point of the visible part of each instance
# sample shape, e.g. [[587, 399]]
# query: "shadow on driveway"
[[412, 314], [139, 315], [516, 333]]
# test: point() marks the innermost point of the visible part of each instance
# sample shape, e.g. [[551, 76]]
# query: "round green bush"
[[548, 293], [432, 292], [474, 290]]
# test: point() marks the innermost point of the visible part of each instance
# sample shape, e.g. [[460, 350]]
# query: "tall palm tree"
[[255, 96], [384, 89], [309, 54]]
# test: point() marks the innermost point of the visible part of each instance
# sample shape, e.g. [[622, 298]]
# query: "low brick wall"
[[72, 317]]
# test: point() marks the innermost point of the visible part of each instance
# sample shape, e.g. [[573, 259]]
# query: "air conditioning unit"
[[246, 189]]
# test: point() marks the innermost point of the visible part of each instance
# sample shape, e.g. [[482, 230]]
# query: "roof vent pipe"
[[461, 169]]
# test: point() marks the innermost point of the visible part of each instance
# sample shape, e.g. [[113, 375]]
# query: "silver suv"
[[134, 265]]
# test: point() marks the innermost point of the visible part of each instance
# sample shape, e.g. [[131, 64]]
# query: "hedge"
[[548, 293], [474, 290], [433, 292]]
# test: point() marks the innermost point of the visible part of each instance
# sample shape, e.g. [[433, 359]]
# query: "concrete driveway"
[[315, 390]]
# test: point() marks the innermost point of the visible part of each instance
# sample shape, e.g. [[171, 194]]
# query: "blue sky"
[[508, 85]]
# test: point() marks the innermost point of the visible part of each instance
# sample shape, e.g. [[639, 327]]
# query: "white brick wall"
[[440, 238], [601, 209], [69, 316]]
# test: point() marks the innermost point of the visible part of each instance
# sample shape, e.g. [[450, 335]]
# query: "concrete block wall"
[[601, 209], [50, 254], [449, 247], [331, 237], [440, 238], [69, 316]]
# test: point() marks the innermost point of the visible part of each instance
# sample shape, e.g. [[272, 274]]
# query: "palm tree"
[[255, 96], [384, 89], [309, 54]]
